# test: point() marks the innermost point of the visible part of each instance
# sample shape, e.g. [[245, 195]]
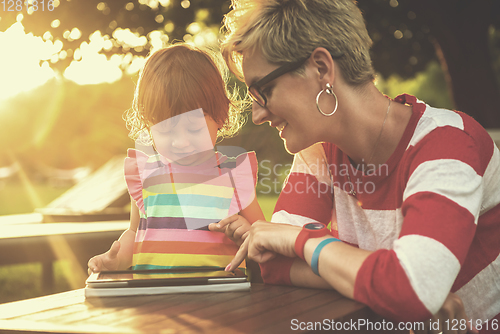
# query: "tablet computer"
[[164, 277]]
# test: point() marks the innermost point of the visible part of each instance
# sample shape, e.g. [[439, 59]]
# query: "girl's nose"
[[180, 141], [259, 114]]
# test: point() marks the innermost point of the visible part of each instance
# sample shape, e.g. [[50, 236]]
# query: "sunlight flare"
[[33, 196], [24, 66]]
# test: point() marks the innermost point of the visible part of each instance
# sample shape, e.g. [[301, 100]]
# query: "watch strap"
[[300, 242]]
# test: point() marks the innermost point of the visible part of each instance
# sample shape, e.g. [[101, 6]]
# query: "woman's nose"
[[259, 114]]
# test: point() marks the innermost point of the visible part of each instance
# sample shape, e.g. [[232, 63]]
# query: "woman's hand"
[[235, 227], [451, 319], [106, 261], [264, 241]]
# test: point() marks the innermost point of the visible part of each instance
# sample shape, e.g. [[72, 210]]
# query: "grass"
[[22, 281]]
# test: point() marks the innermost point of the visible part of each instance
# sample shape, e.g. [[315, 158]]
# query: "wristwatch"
[[309, 230]]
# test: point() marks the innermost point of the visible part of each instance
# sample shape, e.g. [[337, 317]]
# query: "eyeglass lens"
[[257, 96]]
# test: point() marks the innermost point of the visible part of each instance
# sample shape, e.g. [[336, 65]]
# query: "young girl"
[[178, 183]]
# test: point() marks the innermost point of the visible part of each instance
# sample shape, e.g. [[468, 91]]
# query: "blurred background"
[[68, 70]]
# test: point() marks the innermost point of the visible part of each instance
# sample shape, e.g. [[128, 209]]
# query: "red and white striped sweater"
[[431, 215]]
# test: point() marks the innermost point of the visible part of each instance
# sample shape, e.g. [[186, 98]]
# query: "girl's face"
[[186, 139], [291, 102]]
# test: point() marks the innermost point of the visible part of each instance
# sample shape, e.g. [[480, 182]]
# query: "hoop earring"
[[328, 91]]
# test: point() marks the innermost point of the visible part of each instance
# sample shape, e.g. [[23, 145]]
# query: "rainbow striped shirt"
[[177, 203]]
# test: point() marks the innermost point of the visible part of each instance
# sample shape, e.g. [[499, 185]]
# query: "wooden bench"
[[49, 242], [102, 195]]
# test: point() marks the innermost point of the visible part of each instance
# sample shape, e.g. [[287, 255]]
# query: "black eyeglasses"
[[255, 91]]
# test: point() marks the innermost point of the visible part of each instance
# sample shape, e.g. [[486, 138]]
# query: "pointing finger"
[[239, 257]]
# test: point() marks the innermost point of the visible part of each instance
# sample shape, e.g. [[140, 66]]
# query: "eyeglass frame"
[[283, 69]]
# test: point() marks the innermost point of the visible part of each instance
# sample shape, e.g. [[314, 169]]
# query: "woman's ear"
[[324, 64]]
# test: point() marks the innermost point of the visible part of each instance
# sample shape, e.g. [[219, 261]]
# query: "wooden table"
[[265, 309]]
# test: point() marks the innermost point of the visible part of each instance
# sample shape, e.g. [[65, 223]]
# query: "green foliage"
[[401, 38], [429, 86]]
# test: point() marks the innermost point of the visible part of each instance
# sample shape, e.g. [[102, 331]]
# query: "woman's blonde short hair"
[[289, 30], [181, 78]]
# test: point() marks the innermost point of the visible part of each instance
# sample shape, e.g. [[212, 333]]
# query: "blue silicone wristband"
[[317, 251]]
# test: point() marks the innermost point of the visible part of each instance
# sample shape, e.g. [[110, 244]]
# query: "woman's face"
[[186, 139], [291, 106]]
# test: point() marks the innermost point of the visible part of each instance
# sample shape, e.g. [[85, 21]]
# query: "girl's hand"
[[264, 241], [106, 261], [235, 227]]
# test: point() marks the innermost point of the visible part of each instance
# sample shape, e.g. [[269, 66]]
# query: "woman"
[[414, 190]]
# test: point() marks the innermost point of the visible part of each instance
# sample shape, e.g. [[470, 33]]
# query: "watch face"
[[314, 226]]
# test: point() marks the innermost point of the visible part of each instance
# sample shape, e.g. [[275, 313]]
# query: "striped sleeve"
[[307, 196], [442, 199]]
